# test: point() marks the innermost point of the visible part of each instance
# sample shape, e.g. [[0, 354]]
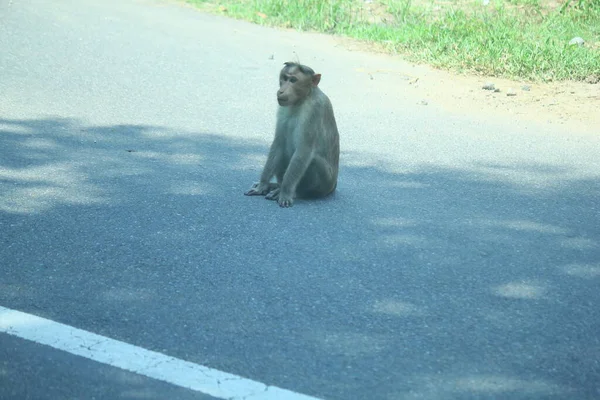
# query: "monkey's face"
[[294, 87]]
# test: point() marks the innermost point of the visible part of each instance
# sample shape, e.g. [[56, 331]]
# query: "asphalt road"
[[458, 259]]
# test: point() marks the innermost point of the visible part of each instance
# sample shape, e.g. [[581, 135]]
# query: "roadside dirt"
[[576, 104], [572, 103]]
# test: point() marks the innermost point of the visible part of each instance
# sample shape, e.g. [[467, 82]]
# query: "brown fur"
[[304, 155]]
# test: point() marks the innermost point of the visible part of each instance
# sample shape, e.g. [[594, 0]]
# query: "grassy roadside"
[[525, 39]]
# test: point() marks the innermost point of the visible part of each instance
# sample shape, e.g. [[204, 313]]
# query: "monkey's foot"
[[258, 189], [273, 194]]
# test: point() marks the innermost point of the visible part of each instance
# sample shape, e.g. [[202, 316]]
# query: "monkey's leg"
[[319, 179]]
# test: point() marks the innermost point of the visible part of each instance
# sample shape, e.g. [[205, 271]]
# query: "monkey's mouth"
[[282, 101]]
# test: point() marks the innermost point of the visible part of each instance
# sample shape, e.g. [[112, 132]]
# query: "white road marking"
[[141, 361]]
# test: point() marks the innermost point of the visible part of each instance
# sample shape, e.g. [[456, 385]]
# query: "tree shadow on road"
[[431, 283]]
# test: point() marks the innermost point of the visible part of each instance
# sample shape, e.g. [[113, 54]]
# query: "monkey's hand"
[[260, 189], [285, 200]]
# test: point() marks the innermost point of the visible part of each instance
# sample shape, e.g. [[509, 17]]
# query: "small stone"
[[511, 92], [489, 86], [576, 41], [526, 88], [593, 79], [423, 102], [272, 57], [496, 90]]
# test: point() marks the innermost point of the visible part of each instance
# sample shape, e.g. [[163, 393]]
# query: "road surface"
[[458, 259]]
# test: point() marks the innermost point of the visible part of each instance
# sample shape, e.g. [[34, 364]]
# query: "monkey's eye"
[[293, 79]]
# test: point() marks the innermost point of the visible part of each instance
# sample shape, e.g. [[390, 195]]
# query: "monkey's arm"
[[265, 186], [298, 165], [273, 160]]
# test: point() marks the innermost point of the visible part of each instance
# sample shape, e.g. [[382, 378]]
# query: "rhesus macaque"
[[305, 152]]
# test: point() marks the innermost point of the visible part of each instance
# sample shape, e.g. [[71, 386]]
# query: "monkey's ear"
[[316, 78]]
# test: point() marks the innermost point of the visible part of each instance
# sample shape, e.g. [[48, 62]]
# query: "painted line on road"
[[149, 363]]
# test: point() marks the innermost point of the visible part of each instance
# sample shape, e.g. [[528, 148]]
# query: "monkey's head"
[[295, 84]]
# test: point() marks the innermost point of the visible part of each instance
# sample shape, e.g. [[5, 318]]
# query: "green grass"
[[516, 39]]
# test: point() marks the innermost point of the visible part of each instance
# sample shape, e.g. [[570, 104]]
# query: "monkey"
[[304, 154]]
